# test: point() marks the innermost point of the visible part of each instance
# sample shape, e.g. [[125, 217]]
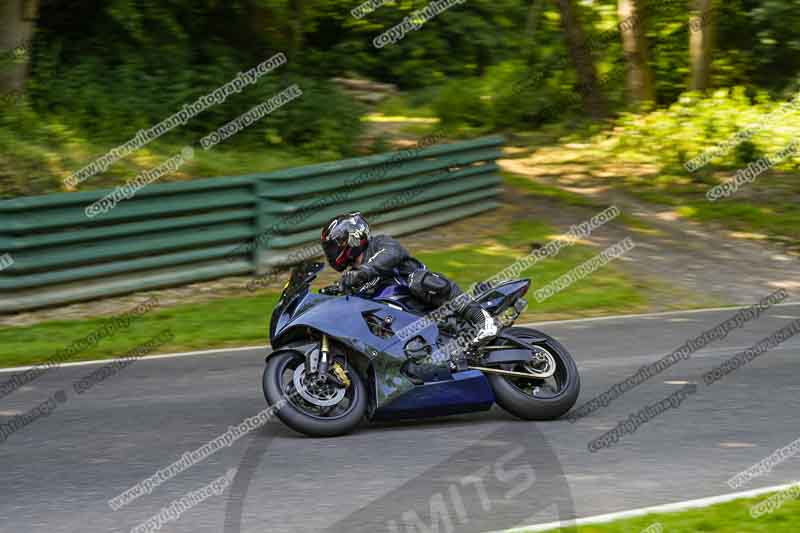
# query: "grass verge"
[[730, 517], [220, 323]]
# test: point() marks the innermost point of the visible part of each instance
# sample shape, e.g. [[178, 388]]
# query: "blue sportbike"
[[340, 358]]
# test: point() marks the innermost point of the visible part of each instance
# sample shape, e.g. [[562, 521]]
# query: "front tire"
[[512, 394], [298, 413]]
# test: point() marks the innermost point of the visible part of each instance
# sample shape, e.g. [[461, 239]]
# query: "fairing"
[[503, 296], [377, 357], [393, 394]]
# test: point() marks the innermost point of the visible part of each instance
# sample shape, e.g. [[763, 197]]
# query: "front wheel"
[[538, 399], [305, 404]]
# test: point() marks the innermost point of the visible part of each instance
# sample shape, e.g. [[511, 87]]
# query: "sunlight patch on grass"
[[379, 117], [748, 235]]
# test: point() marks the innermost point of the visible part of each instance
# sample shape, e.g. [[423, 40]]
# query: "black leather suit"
[[385, 256]]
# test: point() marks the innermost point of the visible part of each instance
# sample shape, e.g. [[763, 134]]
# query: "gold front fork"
[[324, 362]]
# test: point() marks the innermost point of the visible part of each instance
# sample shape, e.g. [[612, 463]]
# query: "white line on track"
[[662, 313], [146, 358], [246, 348], [667, 508]]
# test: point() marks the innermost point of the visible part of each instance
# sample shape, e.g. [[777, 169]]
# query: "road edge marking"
[[145, 358], [657, 314], [664, 508]]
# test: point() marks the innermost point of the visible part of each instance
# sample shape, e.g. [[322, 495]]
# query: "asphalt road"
[[481, 472]]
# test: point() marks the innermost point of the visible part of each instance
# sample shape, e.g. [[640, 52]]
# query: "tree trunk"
[[634, 43], [529, 53], [593, 99], [534, 13], [298, 16], [17, 24], [701, 31]]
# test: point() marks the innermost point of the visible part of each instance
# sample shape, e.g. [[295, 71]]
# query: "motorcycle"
[[339, 357]]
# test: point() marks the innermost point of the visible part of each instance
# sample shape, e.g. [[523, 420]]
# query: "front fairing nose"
[[292, 308]]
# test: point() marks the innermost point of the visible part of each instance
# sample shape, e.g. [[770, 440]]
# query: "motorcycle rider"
[[347, 243]]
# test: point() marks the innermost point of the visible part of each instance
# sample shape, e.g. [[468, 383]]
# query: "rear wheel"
[[545, 398], [308, 405]]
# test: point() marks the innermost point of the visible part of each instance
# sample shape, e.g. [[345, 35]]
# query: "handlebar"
[[337, 290], [330, 290]]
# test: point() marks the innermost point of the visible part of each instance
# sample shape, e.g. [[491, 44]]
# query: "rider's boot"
[[480, 327], [481, 324]]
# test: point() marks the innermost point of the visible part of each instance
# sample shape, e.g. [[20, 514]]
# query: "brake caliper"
[[341, 374]]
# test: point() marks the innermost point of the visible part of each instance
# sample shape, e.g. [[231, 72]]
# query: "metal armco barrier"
[[178, 233]]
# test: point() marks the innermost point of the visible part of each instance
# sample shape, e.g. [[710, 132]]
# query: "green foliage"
[[763, 40], [101, 71], [107, 69], [461, 103], [525, 97], [463, 41], [694, 124], [31, 151], [511, 95], [323, 120]]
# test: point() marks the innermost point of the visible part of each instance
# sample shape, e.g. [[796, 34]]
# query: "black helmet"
[[344, 238]]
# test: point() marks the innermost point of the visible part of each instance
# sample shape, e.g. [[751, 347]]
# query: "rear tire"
[[518, 403], [300, 421]]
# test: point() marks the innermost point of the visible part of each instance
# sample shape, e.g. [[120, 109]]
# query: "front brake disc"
[[314, 392]]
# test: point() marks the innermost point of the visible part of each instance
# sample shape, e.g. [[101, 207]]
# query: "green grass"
[[549, 192], [731, 517], [768, 210], [776, 222], [417, 104], [607, 290], [221, 323], [243, 321], [769, 207]]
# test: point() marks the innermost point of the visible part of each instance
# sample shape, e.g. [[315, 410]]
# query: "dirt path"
[[703, 259]]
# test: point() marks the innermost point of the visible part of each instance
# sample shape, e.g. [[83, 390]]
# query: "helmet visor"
[[333, 251]]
